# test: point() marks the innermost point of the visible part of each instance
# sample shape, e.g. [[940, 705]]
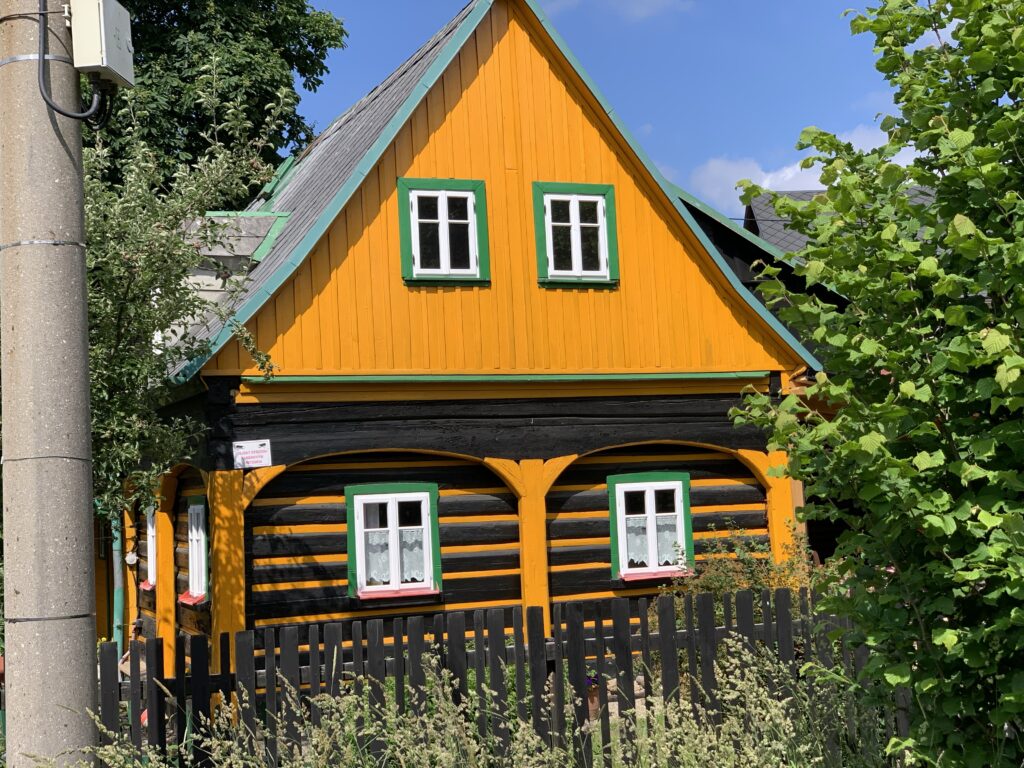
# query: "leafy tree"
[[913, 436], [253, 49]]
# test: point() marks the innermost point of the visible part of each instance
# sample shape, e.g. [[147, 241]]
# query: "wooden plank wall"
[[724, 497], [296, 547]]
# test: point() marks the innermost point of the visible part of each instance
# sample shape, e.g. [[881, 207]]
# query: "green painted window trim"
[[374, 489], [607, 191], [614, 481], [405, 187]]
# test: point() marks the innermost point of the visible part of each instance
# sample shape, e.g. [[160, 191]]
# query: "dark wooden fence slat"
[[623, 652], [315, 679], [805, 629], [417, 675], [200, 697], [155, 703], [224, 679], [135, 650], [691, 653], [558, 685], [245, 684], [745, 616], [398, 650], [333, 658], [270, 656], [376, 663], [110, 692], [727, 612], [437, 640], [518, 642], [455, 659], [577, 664], [708, 644], [538, 668], [766, 618], [289, 702], [180, 693], [667, 648], [784, 625], [479, 667], [358, 672], [645, 647], [602, 689], [496, 678]]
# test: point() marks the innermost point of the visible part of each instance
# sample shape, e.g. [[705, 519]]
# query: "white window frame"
[[649, 487], [151, 569], [445, 270], [428, 585], [198, 575], [577, 271]]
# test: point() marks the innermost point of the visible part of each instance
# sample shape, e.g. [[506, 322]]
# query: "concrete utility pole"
[[49, 591]]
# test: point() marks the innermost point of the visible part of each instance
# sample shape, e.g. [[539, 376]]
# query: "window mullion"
[[576, 236], [652, 528], [442, 225], [393, 558]]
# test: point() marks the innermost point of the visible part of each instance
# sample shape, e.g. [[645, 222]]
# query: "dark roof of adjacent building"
[[761, 219]]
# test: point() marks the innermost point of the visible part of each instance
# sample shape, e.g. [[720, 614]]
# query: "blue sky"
[[715, 90]]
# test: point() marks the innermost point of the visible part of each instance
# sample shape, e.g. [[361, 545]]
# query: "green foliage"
[[914, 437], [253, 50], [143, 310]]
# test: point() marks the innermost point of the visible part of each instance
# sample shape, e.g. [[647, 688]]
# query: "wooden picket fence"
[[616, 639]]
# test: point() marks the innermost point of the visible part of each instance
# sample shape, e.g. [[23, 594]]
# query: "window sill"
[[661, 573], [578, 282], [192, 601], [147, 586], [365, 594], [439, 281]]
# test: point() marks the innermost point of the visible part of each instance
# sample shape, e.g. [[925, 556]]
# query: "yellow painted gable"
[[509, 111]]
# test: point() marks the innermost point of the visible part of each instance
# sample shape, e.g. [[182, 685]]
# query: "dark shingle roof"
[[327, 164], [761, 219]]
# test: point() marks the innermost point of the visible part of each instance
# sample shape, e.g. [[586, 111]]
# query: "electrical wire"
[[98, 97]]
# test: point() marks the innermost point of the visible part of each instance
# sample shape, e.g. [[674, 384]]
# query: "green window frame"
[[649, 483], [410, 191], [391, 494], [544, 194]]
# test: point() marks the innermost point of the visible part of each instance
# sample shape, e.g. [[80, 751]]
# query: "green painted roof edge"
[[268, 242], [454, 378], [266, 292], [773, 322]]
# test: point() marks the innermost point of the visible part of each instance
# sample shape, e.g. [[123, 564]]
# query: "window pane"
[[560, 211], [635, 502], [411, 555], [636, 542], [458, 246], [561, 246], [458, 209], [590, 239], [665, 500], [668, 552], [430, 247], [410, 513], [427, 207], [378, 564], [588, 211], [375, 515]]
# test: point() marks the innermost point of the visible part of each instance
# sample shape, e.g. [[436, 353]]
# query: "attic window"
[[443, 229], [576, 233]]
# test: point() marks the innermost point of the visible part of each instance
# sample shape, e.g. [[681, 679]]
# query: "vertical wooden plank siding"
[[166, 597], [510, 112], [227, 554]]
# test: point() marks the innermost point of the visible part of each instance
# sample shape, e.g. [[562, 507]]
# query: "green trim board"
[[353, 543], [648, 477], [466, 28], [280, 220], [407, 186], [278, 181], [456, 378], [607, 191]]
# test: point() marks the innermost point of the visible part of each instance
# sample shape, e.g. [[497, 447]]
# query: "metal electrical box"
[[101, 33]]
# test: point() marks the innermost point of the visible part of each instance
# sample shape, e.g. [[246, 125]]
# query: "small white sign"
[[250, 454]]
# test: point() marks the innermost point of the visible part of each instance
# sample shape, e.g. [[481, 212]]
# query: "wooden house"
[[505, 352]]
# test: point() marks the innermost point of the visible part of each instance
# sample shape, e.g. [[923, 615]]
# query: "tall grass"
[[768, 715]]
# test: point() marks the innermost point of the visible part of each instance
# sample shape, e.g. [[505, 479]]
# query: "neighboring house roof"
[[317, 186], [761, 219]]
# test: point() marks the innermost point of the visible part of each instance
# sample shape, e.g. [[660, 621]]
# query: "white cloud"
[[715, 180], [633, 10], [646, 129]]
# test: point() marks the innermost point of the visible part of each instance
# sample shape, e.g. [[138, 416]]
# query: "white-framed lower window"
[[577, 236], [652, 533], [151, 569], [392, 540], [198, 574]]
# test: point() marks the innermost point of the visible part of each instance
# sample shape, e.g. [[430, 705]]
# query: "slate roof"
[[324, 167], [761, 219]]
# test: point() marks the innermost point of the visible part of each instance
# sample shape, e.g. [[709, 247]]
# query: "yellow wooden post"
[[166, 592], [131, 585], [781, 508], [227, 555], [533, 544]]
